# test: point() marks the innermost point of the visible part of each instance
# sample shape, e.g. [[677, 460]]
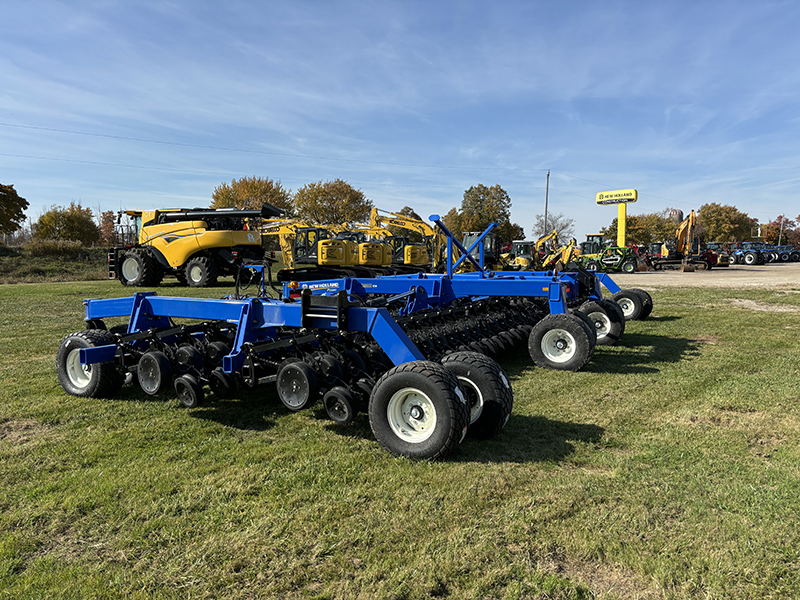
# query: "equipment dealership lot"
[[667, 469], [771, 275]]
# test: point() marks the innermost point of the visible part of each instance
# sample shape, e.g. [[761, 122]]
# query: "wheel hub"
[[416, 412]]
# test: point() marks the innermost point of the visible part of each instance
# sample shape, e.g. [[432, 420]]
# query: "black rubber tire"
[[100, 380], [593, 265], [154, 373], [215, 352], [428, 392], [560, 342], [588, 324], [608, 320], [188, 358], [647, 303], [794, 257], [487, 389], [629, 266], [297, 385], [189, 391], [631, 303], [340, 404], [750, 258], [200, 271], [139, 268], [222, 384]]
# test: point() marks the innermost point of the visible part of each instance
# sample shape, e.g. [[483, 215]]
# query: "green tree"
[[558, 221], [71, 223], [483, 205], [644, 229], [332, 202], [12, 209], [251, 193], [453, 221], [724, 223]]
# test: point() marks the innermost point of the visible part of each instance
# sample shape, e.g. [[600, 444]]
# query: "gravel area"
[[773, 275]]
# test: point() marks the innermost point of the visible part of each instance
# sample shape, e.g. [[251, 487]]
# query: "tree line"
[[338, 202]]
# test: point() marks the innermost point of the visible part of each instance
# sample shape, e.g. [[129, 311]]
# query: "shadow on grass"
[[530, 439]]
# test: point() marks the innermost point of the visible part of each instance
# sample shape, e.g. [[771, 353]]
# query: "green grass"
[[668, 469]]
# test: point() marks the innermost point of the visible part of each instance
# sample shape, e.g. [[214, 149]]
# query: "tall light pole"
[[546, 194]]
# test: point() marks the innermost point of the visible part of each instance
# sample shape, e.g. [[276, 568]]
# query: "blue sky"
[[144, 104]]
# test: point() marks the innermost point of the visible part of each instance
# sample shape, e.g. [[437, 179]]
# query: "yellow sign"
[[617, 197]]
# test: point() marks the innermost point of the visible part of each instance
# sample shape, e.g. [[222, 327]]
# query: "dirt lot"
[[775, 275]]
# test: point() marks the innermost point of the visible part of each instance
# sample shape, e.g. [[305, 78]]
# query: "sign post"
[[621, 199]]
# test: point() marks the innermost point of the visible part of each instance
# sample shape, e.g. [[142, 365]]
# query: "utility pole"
[[546, 195], [780, 235]]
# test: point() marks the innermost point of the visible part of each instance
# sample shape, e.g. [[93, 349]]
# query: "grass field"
[[670, 468]]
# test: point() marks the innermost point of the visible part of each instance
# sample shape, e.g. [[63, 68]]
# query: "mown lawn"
[[668, 469]]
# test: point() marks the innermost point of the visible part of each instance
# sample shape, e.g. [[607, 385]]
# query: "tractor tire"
[[592, 265], [794, 256], [487, 389], [139, 268], [560, 342], [733, 259], [750, 258], [629, 266], [99, 380], [608, 320], [418, 410], [631, 302], [200, 271]]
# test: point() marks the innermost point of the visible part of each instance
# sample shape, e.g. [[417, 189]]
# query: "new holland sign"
[[617, 197]]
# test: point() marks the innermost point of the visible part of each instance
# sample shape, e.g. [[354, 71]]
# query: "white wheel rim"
[[130, 269], [602, 324], [473, 393], [412, 415], [79, 375], [558, 345], [626, 304], [195, 274]]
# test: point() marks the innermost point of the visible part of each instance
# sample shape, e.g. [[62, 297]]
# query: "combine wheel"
[[487, 389], [608, 320], [297, 385], [221, 383], [560, 341], [200, 271], [631, 303], [340, 404], [418, 410], [189, 391], [154, 373], [138, 268], [99, 380]]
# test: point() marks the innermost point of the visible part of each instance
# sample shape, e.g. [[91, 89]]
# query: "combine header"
[[413, 352]]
